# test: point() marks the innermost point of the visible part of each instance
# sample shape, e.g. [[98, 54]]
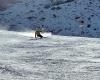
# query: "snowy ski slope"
[[22, 57]]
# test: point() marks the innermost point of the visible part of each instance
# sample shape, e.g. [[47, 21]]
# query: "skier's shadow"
[[37, 38]]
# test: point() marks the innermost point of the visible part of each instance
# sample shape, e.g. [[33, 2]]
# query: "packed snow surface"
[[22, 57]]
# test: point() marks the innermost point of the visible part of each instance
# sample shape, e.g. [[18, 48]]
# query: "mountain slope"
[[52, 58], [4, 4], [62, 17]]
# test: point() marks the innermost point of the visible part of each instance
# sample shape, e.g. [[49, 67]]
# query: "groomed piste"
[[22, 57]]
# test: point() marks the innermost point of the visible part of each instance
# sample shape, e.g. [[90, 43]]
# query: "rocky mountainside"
[[62, 17], [4, 4]]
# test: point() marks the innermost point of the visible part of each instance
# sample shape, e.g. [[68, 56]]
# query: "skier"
[[37, 32]]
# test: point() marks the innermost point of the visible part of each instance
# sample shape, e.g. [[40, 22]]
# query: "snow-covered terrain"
[[22, 57], [62, 17]]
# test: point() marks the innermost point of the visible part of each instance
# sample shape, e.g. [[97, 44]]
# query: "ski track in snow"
[[22, 57]]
